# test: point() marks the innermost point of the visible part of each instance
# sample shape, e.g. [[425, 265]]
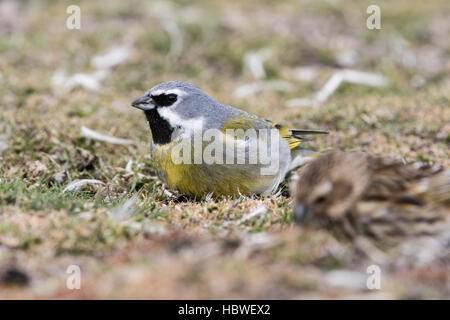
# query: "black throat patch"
[[160, 127]]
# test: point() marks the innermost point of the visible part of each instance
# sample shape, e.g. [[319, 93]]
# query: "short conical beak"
[[144, 102], [301, 213]]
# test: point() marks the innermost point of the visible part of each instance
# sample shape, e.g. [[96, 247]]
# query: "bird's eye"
[[320, 200], [172, 98]]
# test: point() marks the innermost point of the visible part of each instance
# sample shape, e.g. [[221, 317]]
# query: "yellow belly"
[[200, 179]]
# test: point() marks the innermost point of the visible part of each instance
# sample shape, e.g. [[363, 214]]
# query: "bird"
[[178, 113], [358, 195]]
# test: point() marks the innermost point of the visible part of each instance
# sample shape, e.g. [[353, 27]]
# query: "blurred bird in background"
[[356, 194]]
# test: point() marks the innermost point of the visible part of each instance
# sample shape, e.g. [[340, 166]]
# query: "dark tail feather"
[[298, 133]]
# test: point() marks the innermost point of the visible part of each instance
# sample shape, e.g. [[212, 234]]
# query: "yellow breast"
[[200, 179]]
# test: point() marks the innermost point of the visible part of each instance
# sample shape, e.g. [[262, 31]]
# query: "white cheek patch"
[[194, 125], [190, 125]]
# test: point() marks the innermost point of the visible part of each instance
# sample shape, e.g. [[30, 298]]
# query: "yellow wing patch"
[[286, 134], [244, 122]]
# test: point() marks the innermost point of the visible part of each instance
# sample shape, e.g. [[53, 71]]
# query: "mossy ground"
[[195, 249]]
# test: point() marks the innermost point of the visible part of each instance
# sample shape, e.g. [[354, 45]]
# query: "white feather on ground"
[[339, 77], [91, 134], [259, 212], [112, 58], [261, 86], [176, 39], [254, 62], [88, 81], [78, 184], [3, 142], [124, 210]]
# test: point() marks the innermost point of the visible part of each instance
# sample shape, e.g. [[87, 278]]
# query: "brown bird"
[[358, 194]]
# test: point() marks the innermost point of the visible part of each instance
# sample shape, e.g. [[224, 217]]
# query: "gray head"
[[179, 105], [172, 94]]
